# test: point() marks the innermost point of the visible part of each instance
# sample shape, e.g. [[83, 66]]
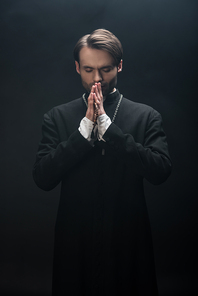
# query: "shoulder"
[[66, 109], [66, 116], [139, 109], [67, 106]]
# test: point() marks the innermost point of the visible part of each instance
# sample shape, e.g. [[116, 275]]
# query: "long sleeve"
[[54, 157], [150, 159]]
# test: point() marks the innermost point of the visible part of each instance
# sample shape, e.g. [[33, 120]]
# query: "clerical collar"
[[104, 98]]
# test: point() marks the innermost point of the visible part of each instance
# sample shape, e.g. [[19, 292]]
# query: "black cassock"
[[103, 242]]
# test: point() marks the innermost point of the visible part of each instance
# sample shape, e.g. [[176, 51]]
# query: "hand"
[[91, 108], [98, 98], [95, 102]]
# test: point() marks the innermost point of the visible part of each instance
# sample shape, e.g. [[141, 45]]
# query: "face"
[[97, 66]]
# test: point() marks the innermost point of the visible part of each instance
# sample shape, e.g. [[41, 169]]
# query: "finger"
[[95, 103], [90, 100], [100, 90], [97, 95], [95, 98], [90, 107], [93, 89], [96, 90]]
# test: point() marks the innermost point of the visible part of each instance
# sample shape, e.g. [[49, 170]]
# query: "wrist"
[[89, 116], [101, 112]]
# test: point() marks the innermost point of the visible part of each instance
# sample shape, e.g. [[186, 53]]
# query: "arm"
[[55, 158], [150, 159]]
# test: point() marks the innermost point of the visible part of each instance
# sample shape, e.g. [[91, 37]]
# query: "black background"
[[159, 38]]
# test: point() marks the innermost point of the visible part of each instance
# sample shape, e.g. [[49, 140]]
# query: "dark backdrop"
[[159, 38]]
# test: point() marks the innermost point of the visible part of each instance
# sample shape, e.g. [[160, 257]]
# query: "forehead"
[[95, 57]]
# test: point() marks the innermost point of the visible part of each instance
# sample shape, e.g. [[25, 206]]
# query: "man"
[[101, 147]]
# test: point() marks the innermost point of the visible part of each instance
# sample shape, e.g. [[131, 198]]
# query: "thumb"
[[91, 101]]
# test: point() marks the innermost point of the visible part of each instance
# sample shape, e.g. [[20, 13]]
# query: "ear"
[[77, 67], [120, 66]]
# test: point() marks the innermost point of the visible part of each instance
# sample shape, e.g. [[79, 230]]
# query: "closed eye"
[[106, 70], [88, 70]]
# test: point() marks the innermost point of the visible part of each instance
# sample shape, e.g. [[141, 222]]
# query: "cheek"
[[111, 78], [85, 78]]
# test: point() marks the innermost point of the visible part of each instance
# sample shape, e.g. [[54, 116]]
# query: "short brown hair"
[[100, 39]]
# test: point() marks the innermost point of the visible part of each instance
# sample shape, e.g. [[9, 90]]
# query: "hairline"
[[93, 47]]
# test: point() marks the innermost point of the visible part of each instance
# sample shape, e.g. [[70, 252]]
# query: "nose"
[[97, 76]]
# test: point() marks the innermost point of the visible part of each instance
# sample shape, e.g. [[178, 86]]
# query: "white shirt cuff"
[[85, 128], [103, 123]]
